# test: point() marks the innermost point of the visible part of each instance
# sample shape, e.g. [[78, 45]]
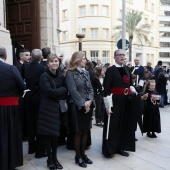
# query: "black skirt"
[[11, 152], [79, 121], [76, 124]]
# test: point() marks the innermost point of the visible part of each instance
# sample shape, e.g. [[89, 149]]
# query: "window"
[[93, 10], [105, 10], [105, 55], [152, 41], [94, 33], [164, 54], [94, 55], [65, 14], [152, 7], [65, 35], [84, 31], [105, 33], [82, 10]]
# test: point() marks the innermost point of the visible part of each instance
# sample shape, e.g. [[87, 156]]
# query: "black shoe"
[[80, 162], [40, 155], [51, 165], [108, 155], [86, 159], [154, 135], [58, 165], [123, 153], [149, 135]]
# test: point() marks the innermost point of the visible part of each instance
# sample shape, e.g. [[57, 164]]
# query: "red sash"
[[9, 101]]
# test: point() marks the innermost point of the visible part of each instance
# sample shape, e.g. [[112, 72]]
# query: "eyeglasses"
[[119, 55]]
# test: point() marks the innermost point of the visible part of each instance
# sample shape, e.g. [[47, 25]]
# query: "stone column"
[[49, 16], [5, 39]]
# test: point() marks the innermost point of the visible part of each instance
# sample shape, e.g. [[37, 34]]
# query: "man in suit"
[[158, 69], [11, 87], [32, 75], [138, 70], [24, 56]]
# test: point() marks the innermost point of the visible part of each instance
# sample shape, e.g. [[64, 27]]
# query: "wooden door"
[[23, 22]]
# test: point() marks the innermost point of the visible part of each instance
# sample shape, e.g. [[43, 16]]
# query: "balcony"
[[164, 39], [164, 29], [164, 50], [164, 18]]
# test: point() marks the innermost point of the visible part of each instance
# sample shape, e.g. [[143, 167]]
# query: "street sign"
[[119, 44]]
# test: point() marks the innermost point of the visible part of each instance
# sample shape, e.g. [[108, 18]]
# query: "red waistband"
[[9, 101], [120, 91]]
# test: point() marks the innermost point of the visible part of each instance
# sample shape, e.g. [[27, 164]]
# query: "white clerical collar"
[[117, 65], [21, 62], [2, 60], [44, 59]]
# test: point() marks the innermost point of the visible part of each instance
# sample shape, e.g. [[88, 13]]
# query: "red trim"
[[9, 101], [120, 91]]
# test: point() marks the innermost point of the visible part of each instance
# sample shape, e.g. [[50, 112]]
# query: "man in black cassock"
[[121, 129], [11, 86]]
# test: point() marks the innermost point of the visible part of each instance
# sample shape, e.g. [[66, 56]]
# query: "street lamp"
[[124, 25], [80, 36]]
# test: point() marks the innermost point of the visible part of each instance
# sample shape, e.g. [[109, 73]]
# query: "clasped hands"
[[87, 106]]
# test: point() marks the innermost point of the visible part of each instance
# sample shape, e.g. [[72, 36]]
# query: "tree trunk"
[[130, 47]]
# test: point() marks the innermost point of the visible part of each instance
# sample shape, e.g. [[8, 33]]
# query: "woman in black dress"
[[52, 91], [80, 108]]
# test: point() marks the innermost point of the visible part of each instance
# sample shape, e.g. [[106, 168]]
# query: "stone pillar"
[[49, 23], [5, 39]]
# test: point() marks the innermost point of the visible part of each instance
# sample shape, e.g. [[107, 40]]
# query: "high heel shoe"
[[86, 159], [80, 162]]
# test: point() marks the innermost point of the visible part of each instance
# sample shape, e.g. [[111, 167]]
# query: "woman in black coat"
[[53, 90]]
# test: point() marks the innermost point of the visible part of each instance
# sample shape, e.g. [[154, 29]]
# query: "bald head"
[[3, 53]]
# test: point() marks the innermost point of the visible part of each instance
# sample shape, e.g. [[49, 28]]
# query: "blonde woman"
[[80, 108], [52, 91]]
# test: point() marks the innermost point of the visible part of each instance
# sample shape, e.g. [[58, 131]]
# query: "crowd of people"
[[47, 103]]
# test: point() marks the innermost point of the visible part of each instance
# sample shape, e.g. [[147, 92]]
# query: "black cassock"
[[151, 118], [122, 121], [11, 86]]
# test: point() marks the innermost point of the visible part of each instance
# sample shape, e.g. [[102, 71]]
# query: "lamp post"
[[124, 25], [80, 37]]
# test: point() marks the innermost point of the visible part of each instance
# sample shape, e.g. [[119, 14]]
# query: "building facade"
[[96, 19], [164, 21], [32, 24]]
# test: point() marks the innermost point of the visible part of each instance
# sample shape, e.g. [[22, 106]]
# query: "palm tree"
[[133, 28]]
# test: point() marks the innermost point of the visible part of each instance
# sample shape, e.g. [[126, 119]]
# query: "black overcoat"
[[53, 89]]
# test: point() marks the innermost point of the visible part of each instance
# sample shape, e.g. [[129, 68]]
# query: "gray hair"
[[3, 53], [36, 54]]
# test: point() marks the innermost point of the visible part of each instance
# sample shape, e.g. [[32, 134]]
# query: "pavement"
[[151, 153]]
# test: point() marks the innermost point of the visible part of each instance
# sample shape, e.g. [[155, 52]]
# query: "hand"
[[109, 112], [87, 109], [144, 97], [87, 103]]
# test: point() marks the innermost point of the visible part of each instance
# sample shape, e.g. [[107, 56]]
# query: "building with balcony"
[[96, 19], [164, 21]]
